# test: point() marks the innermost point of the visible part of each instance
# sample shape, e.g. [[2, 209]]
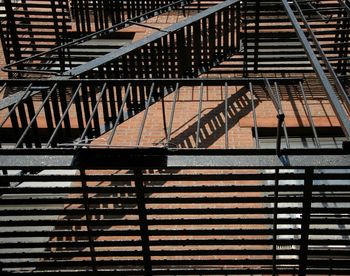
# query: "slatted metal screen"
[[29, 27], [93, 15], [187, 48], [151, 213]]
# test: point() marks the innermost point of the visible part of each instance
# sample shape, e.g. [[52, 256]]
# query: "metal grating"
[[172, 213]]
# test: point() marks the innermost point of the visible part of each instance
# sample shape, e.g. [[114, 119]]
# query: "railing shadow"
[[212, 128]]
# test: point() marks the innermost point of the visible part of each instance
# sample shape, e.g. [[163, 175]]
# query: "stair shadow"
[[212, 124]]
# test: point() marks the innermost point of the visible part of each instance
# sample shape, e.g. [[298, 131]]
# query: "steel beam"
[[20, 62], [153, 37], [332, 96], [111, 158]]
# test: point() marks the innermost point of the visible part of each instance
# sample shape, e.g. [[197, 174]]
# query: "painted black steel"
[[33, 63], [77, 227], [180, 47], [338, 108], [94, 158], [84, 208], [95, 107]]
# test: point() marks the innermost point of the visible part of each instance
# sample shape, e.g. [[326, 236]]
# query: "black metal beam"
[[332, 96], [111, 158], [78, 13], [153, 37]]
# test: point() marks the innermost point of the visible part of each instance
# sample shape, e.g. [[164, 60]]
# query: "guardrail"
[[232, 216], [51, 112], [58, 59], [184, 49]]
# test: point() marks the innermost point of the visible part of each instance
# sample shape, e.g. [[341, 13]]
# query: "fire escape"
[[215, 145]]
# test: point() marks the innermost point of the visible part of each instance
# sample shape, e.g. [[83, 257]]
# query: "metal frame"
[[163, 210], [140, 205], [117, 100], [332, 96], [162, 158], [173, 46], [63, 52], [31, 27]]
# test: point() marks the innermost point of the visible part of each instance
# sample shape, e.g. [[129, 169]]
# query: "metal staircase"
[[31, 28], [192, 199]]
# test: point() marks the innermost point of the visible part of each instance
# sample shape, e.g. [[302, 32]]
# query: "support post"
[[140, 195], [305, 223]]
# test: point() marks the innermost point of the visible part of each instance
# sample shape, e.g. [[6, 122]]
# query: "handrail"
[[9, 101], [329, 67], [151, 38], [332, 96], [111, 29]]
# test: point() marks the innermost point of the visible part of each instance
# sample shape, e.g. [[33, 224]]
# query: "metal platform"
[[184, 195]]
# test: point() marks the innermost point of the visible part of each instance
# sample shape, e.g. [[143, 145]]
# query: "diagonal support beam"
[[332, 96]]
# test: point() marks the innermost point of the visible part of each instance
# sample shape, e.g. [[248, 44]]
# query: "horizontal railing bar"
[[174, 242], [291, 222], [171, 201], [163, 82], [168, 177], [9, 101], [175, 232], [163, 253], [151, 222], [321, 212]]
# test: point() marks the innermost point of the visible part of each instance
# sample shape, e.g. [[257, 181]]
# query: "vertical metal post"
[[120, 115], [162, 91], [309, 115], [257, 142], [238, 28], [256, 40], [280, 118], [226, 116], [305, 223], [200, 103], [150, 97], [245, 46], [275, 223], [140, 195], [171, 120], [11, 25], [278, 98], [57, 34], [88, 221]]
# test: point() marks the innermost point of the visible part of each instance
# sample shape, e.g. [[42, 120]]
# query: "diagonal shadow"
[[212, 124]]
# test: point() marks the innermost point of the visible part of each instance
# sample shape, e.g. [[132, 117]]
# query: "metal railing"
[[184, 49], [69, 113], [29, 27], [244, 213], [93, 15], [339, 108], [60, 58]]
